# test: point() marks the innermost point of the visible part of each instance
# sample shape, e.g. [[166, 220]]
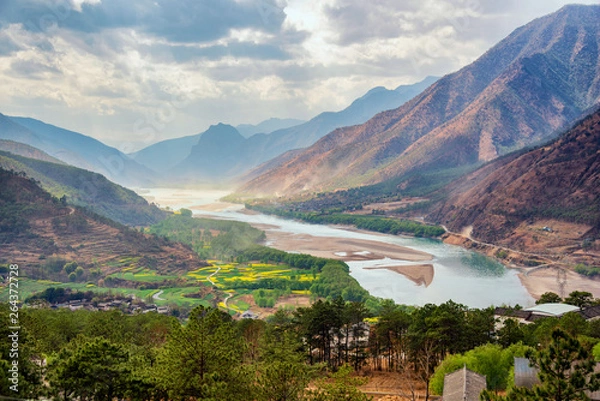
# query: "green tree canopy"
[[566, 372], [95, 370], [204, 359], [549, 298]]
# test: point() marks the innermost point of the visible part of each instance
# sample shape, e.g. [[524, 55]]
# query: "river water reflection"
[[461, 275]]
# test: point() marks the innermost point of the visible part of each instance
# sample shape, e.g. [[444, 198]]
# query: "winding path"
[[208, 277], [157, 297], [229, 295]]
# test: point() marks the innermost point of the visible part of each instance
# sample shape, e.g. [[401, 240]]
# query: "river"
[[458, 274]]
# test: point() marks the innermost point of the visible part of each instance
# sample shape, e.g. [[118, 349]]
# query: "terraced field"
[[220, 283]]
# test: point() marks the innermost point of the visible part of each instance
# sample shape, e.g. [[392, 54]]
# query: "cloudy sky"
[[134, 72]]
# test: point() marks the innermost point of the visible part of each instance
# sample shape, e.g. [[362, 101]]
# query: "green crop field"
[[230, 278], [223, 274]]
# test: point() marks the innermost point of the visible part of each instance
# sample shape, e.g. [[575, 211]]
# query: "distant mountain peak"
[[222, 131]]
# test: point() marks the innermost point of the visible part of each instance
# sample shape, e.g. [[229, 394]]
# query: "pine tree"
[[204, 359]]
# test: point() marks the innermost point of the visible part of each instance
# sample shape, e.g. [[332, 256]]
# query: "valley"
[[283, 200], [454, 270]]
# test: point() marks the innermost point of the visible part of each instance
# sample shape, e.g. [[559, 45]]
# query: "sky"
[[131, 73]]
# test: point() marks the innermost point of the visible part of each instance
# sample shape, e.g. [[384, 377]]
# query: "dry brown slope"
[[540, 77], [558, 182]]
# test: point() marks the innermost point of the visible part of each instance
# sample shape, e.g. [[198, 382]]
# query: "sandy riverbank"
[[547, 279], [346, 249], [419, 274], [349, 249]]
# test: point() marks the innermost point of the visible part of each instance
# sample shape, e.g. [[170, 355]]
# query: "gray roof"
[[555, 310], [591, 312], [463, 385]]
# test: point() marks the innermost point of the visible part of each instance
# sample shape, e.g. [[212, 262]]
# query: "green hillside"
[[87, 189]]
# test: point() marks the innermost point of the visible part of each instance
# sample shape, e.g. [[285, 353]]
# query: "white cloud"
[[101, 67]]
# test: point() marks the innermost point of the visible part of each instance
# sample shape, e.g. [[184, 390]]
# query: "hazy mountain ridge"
[[267, 126], [166, 154], [85, 188], [558, 181], [232, 160], [76, 149], [21, 149], [536, 80], [216, 155]]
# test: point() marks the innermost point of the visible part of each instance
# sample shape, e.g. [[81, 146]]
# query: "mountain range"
[[164, 155], [522, 91], [196, 157], [520, 197], [267, 126], [76, 149], [219, 153]]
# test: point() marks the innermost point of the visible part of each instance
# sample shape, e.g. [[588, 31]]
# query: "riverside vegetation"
[[331, 216]]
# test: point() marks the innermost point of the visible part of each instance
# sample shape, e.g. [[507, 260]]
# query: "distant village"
[[127, 306]]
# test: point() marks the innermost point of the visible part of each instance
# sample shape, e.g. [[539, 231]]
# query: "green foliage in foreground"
[[373, 223], [490, 360], [340, 386], [203, 360], [99, 355], [566, 372]]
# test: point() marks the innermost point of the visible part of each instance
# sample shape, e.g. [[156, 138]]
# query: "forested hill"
[[35, 227], [85, 188]]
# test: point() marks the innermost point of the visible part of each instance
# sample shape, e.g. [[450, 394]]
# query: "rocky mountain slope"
[[521, 91], [76, 149], [35, 226], [538, 200]]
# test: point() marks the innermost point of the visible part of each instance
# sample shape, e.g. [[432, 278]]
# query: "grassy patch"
[[143, 275]]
